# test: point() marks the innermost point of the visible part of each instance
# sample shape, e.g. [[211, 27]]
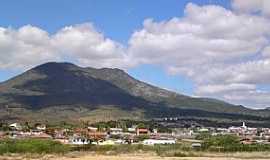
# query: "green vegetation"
[[32, 146], [203, 136], [213, 144], [229, 143], [177, 150], [114, 149]]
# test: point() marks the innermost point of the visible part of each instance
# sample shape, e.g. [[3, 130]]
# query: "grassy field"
[[137, 156]]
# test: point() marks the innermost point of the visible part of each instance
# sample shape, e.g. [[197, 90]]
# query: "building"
[[77, 140], [15, 126], [196, 145], [116, 131], [40, 135], [41, 127], [2, 135], [158, 141], [243, 130], [97, 135], [92, 129], [107, 142], [132, 130], [142, 131]]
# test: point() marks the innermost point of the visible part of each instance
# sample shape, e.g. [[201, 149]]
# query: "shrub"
[[32, 146]]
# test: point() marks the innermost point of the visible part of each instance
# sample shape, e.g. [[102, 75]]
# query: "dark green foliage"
[[229, 143], [203, 136], [32, 146], [142, 137], [221, 141], [114, 149], [177, 150]]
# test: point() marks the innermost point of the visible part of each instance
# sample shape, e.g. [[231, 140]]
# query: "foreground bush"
[[113, 149], [32, 146], [178, 150], [229, 143]]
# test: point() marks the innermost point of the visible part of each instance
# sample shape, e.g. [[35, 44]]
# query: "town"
[[130, 132]]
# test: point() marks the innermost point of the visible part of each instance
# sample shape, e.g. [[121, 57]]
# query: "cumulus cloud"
[[29, 46], [89, 47], [24, 47], [223, 52], [252, 6], [214, 89]]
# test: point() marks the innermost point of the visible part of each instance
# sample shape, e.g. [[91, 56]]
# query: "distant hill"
[[66, 92]]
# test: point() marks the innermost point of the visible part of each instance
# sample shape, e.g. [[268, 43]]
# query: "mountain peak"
[[68, 65], [55, 65]]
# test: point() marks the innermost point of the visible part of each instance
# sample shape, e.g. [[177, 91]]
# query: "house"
[[77, 140], [132, 130], [15, 126], [116, 131], [120, 141], [2, 135], [62, 140], [60, 134], [203, 130], [107, 142], [243, 130], [41, 135], [196, 145], [142, 131], [158, 141], [92, 129], [41, 127], [246, 141], [97, 135]]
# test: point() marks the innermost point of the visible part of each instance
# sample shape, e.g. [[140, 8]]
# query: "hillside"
[[64, 91]]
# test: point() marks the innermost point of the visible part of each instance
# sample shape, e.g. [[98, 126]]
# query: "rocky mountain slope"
[[64, 91]]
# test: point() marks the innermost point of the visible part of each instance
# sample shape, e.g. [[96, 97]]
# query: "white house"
[[15, 126], [133, 130], [158, 141], [196, 145], [107, 142], [79, 140], [93, 129], [116, 131], [41, 127]]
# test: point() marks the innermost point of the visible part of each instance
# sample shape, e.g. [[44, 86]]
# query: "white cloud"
[[214, 89], [29, 46], [24, 47], [266, 51], [220, 50], [89, 47], [209, 32], [252, 6]]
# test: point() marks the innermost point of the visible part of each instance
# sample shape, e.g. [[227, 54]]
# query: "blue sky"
[[116, 19], [207, 48]]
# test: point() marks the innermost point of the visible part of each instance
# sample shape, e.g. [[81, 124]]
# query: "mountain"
[[64, 91]]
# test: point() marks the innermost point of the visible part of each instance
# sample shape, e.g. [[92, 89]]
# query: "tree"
[[141, 125], [221, 141]]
